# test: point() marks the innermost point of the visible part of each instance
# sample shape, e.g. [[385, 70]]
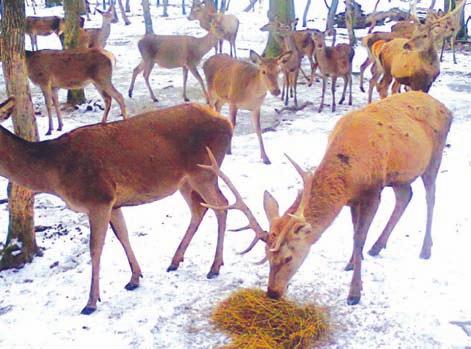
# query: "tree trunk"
[[123, 13], [147, 17], [349, 21], [284, 10], [71, 36], [183, 8], [52, 3], [448, 6], [329, 26], [127, 7], [165, 13], [20, 244], [306, 10]]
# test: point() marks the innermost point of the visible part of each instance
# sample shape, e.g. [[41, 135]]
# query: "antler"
[[239, 204]]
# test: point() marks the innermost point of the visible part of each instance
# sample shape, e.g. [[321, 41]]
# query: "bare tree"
[[147, 17], [349, 15], [306, 10], [284, 11], [123, 13], [20, 244]]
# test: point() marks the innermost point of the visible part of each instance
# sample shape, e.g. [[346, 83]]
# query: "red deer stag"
[[100, 168], [243, 85], [333, 61], [174, 51], [71, 69], [387, 143]]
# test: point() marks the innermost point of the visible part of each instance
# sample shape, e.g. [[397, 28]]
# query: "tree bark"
[[71, 37], [127, 7], [147, 17], [329, 26], [306, 10], [52, 3], [349, 21], [165, 13], [284, 10], [20, 244]]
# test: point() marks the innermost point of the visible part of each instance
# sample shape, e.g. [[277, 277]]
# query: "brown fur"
[[243, 85], [387, 143], [44, 26], [333, 61], [97, 37], [100, 168], [72, 69]]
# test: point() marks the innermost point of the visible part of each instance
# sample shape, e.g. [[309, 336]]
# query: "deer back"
[[43, 25]]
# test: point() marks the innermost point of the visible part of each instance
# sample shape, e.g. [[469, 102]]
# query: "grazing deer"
[[52, 70], [97, 37], [100, 168], [43, 26], [243, 85], [174, 51], [387, 143], [412, 62], [206, 13], [333, 61]]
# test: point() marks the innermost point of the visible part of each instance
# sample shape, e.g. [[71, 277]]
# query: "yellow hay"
[[254, 321]]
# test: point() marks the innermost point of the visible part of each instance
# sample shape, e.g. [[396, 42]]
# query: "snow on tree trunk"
[[284, 10], [20, 244]]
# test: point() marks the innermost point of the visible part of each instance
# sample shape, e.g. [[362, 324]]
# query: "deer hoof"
[[186, 99], [172, 268], [374, 251], [267, 161], [353, 300], [349, 266], [48, 133], [212, 274], [130, 94], [362, 89], [341, 101], [131, 286], [425, 254], [87, 310]]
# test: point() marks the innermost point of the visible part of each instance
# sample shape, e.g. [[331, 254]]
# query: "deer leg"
[[194, 200], [98, 218], [285, 84], [344, 92], [210, 192], [332, 88], [441, 52], [354, 210], [295, 87], [147, 69], [196, 74], [185, 78], [452, 40], [47, 93], [107, 99], [233, 43], [258, 131], [287, 87], [233, 115], [429, 178], [324, 83], [373, 81], [118, 225], [350, 83], [135, 73], [383, 86], [313, 70], [55, 101], [117, 96], [367, 210], [363, 67], [403, 196]]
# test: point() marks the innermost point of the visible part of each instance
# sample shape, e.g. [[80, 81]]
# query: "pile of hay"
[[254, 321]]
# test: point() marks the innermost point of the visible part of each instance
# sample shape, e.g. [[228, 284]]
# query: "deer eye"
[[264, 72]]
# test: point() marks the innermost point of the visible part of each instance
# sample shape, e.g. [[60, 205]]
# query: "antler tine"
[[304, 174], [255, 240], [262, 261], [239, 204]]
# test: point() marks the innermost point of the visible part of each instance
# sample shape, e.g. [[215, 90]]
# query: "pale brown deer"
[[52, 70], [243, 85], [174, 51], [205, 13], [97, 37], [101, 168], [333, 62], [387, 143], [44, 26]]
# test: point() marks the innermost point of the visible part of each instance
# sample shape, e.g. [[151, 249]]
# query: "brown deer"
[[387, 143], [334, 62], [97, 37], [412, 62], [243, 85], [205, 13], [44, 26], [174, 51], [100, 168], [52, 70]]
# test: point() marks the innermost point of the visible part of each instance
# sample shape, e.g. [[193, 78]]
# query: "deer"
[[389, 143], [52, 70], [205, 13], [98, 169], [412, 62], [97, 37], [244, 86], [44, 26], [333, 61], [174, 51]]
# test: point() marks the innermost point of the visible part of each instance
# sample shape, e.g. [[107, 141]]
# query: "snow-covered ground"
[[407, 302]]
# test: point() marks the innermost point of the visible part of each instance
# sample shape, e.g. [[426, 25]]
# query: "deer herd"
[[144, 158]]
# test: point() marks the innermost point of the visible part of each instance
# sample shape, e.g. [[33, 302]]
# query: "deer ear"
[[272, 209], [284, 57], [255, 57]]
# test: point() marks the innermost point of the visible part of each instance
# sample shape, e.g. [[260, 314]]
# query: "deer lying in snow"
[[174, 51], [100, 168], [387, 143], [243, 85], [72, 69]]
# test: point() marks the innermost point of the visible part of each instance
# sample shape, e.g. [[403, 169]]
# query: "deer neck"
[[328, 196], [20, 164], [104, 32], [429, 54], [205, 43]]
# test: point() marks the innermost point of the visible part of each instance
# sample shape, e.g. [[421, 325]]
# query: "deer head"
[[290, 236], [270, 69], [109, 16], [421, 40]]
